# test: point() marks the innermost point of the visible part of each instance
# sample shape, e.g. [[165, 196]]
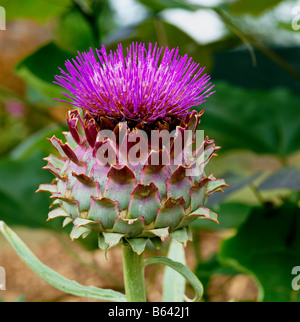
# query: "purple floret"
[[144, 85]]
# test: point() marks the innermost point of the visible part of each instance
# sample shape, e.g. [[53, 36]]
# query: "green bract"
[[127, 203]]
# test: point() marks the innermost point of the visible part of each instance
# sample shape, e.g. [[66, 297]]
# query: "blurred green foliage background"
[[251, 50]]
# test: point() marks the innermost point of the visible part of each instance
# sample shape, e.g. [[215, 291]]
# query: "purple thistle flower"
[[132, 167], [143, 86]]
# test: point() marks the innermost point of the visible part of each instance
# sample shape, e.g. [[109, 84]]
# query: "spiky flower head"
[[121, 100], [143, 86]]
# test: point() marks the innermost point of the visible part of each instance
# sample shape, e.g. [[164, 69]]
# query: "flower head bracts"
[[132, 168], [123, 202]]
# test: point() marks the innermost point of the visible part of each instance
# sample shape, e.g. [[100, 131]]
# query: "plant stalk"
[[134, 275]]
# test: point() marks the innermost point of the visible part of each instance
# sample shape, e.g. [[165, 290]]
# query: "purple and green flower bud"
[[133, 165]]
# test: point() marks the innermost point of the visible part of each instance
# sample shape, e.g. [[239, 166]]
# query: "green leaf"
[[37, 142], [159, 5], [240, 119], [52, 277], [286, 178], [39, 91], [173, 282], [230, 215], [21, 174], [236, 182], [266, 247], [181, 269], [254, 7], [285, 25], [39, 10], [39, 68], [45, 62], [73, 33], [18, 203]]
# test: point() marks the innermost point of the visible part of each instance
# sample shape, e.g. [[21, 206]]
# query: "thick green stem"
[[134, 275]]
